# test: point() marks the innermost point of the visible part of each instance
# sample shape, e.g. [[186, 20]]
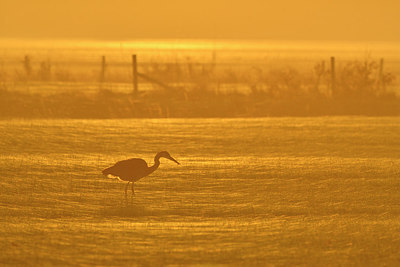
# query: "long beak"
[[174, 160]]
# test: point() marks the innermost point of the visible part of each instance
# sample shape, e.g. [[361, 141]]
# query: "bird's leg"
[[133, 190], [126, 190]]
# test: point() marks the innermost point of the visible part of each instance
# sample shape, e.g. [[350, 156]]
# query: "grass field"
[[273, 191]]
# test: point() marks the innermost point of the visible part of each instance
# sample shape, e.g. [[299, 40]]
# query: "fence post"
[[214, 58], [135, 76], [27, 66], [381, 85], [103, 69], [333, 77]]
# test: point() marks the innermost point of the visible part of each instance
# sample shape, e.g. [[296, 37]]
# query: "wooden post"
[[27, 66], [135, 74], [103, 69], [333, 77], [381, 86], [214, 58]]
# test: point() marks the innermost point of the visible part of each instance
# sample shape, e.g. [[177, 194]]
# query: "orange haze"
[[125, 19]]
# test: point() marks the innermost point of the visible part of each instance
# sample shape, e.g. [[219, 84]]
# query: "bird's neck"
[[156, 164]]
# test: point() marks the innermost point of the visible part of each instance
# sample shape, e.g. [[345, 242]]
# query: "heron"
[[132, 170]]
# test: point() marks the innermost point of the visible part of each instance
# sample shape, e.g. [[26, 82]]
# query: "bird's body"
[[132, 170]]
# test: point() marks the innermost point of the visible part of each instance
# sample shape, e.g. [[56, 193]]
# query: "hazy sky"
[[369, 20]]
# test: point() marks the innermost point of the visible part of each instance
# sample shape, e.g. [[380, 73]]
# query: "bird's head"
[[165, 154]]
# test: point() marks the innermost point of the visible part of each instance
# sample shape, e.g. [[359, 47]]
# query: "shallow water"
[[279, 191]]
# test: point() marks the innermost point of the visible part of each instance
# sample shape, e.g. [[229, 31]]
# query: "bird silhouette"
[[132, 170]]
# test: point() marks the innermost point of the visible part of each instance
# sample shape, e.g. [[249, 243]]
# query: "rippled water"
[[276, 191]]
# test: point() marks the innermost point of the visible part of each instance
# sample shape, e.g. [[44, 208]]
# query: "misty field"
[[197, 78], [272, 191]]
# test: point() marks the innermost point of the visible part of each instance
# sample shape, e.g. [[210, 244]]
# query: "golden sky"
[[370, 20]]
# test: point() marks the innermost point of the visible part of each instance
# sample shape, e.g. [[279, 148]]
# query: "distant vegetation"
[[204, 90]]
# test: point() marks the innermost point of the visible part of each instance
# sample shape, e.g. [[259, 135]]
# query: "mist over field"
[[203, 78]]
